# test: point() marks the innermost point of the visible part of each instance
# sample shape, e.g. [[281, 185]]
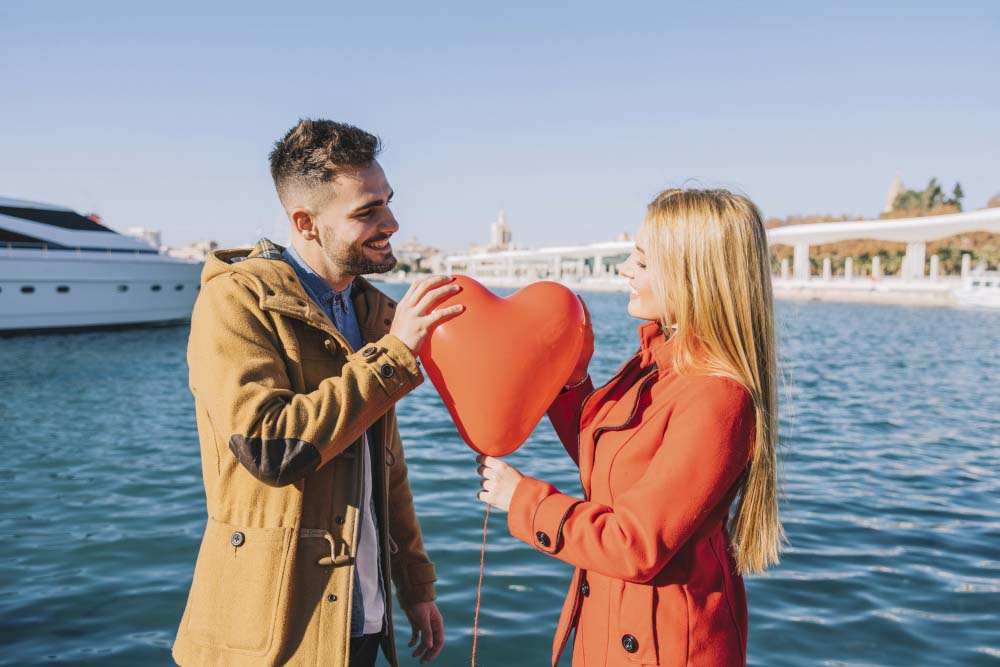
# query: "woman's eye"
[[640, 265]]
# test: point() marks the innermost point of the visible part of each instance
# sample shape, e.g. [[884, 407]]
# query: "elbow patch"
[[276, 462]]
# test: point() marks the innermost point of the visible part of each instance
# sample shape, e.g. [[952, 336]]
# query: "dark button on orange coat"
[[660, 456]]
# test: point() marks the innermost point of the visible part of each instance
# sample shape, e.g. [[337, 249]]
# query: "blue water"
[[891, 449]]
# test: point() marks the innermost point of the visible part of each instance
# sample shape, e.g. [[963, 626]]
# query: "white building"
[[896, 188], [500, 234]]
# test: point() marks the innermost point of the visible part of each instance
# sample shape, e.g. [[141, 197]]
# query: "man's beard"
[[351, 260]]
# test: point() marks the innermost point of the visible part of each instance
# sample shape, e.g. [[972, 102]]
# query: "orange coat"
[[660, 457]]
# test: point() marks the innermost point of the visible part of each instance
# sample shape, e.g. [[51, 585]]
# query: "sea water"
[[890, 429]]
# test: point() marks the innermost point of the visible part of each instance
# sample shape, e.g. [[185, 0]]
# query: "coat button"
[[387, 371], [387, 322], [543, 539], [585, 589], [630, 643], [369, 352], [237, 539], [331, 598], [339, 520]]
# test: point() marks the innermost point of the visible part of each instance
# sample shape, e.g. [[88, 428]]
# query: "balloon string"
[[479, 588]]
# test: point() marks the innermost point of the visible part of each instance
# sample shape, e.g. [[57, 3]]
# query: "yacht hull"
[[49, 291]]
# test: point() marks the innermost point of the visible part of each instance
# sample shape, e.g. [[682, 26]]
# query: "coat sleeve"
[[703, 453], [239, 376], [564, 413], [413, 573]]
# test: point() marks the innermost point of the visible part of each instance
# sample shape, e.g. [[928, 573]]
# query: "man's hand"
[[428, 629], [499, 480], [415, 317], [579, 373]]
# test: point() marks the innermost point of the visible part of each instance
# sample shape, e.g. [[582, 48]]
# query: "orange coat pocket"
[[637, 639], [239, 585]]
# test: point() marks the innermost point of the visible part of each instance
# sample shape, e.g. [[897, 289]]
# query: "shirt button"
[[387, 371], [630, 643], [331, 598], [585, 589], [237, 539], [543, 539]]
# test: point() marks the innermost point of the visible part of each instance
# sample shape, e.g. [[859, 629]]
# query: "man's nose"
[[389, 224]]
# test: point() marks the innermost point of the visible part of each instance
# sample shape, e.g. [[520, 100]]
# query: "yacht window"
[[178, 288], [63, 289], [27, 289], [156, 288], [123, 288]]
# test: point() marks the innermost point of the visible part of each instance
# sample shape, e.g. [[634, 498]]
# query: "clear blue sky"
[[570, 117]]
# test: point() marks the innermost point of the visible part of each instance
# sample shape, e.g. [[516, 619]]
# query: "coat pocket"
[[240, 583], [637, 623]]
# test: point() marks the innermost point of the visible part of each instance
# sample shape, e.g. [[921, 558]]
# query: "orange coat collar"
[[655, 346]]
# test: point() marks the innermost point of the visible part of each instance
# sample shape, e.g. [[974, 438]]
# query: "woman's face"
[[642, 303]]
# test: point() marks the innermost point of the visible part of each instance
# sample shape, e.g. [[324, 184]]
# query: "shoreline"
[[932, 293]]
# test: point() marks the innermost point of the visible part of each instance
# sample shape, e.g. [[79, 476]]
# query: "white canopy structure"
[[601, 259]]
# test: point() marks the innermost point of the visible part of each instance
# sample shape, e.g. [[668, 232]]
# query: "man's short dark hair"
[[316, 151]]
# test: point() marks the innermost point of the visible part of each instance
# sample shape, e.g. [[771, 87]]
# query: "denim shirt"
[[339, 308]]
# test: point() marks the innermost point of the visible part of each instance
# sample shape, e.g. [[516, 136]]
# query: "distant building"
[[896, 188], [500, 234], [416, 254], [151, 237], [197, 251]]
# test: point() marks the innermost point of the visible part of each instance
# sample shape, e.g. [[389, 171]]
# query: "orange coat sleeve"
[[703, 451]]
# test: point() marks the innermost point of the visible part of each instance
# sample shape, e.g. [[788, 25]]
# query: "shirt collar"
[[317, 288]]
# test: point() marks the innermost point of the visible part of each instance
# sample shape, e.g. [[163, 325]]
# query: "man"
[[295, 364]]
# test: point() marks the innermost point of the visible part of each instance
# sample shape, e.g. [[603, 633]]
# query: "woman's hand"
[[579, 373], [499, 481]]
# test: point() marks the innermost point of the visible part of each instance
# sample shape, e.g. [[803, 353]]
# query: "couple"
[[296, 363]]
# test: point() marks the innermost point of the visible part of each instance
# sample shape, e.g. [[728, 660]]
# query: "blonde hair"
[[710, 267]]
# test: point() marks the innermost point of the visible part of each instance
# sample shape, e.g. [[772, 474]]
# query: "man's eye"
[[640, 265]]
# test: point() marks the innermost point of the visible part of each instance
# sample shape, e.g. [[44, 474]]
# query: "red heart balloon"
[[499, 365]]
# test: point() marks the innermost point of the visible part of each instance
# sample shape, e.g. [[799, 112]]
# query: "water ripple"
[[890, 426]]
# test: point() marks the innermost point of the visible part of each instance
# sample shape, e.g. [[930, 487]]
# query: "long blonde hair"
[[710, 267]]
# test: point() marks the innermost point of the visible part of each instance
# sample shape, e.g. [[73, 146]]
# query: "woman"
[[684, 429]]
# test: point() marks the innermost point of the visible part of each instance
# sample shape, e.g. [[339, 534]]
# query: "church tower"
[[500, 234]]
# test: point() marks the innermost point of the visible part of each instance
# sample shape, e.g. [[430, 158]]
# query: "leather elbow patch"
[[277, 461]]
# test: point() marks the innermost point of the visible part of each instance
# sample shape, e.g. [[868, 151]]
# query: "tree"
[[956, 196]]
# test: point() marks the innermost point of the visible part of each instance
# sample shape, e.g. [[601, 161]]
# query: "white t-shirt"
[[367, 561]]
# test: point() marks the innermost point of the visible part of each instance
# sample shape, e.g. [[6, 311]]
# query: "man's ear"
[[303, 223]]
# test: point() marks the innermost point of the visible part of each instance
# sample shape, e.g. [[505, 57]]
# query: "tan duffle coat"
[[282, 402]]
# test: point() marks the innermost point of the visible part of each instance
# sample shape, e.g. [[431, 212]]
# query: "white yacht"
[[60, 270], [980, 290]]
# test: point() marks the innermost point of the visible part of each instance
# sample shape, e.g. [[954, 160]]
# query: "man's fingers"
[[420, 286], [413, 636], [445, 313], [435, 296]]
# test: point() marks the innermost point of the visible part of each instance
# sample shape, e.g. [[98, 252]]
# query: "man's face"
[[355, 224]]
